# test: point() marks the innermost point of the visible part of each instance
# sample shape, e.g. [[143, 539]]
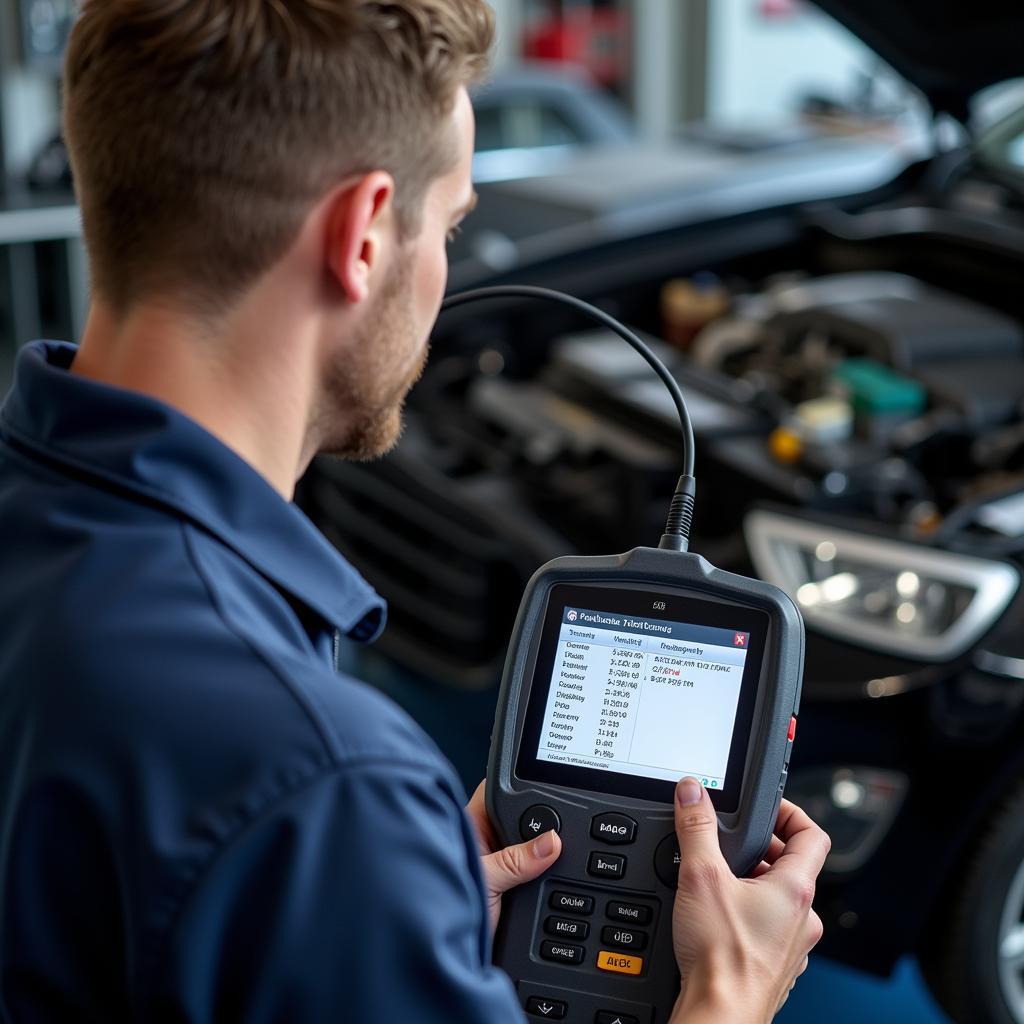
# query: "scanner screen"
[[643, 696], [633, 689]]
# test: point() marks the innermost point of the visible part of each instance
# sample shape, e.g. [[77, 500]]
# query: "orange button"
[[619, 962]]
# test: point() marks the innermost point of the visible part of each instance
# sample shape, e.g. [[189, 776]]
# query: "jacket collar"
[[159, 455]]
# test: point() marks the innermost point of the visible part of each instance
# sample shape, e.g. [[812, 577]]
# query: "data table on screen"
[[655, 706]]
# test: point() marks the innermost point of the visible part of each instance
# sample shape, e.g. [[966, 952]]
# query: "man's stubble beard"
[[363, 415]]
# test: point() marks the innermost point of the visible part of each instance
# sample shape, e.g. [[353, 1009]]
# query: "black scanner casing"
[[744, 833]]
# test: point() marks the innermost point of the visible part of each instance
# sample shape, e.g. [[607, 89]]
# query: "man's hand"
[[510, 866], [741, 943]]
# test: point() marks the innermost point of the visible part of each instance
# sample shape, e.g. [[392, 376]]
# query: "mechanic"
[[200, 818]]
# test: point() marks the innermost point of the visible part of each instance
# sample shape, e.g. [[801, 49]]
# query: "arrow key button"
[[549, 1009]]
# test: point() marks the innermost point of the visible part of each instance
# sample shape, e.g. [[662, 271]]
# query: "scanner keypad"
[[614, 946], [566, 928], [610, 1017], [562, 952], [606, 865], [666, 861], [613, 828], [628, 913], [571, 903], [538, 819], [623, 938], [550, 1009]]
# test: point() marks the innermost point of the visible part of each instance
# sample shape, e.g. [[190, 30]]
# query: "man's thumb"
[[521, 863], [696, 824]]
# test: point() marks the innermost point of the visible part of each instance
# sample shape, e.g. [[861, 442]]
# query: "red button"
[[791, 735]]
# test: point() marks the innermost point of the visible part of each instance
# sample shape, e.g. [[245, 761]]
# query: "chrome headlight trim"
[[776, 541]]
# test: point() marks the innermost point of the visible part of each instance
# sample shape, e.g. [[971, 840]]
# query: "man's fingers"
[[477, 801], [774, 851], [697, 832], [771, 855], [476, 810], [521, 863], [791, 820], [803, 855], [806, 847]]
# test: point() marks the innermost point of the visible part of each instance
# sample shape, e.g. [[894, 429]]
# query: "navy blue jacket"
[[200, 820]]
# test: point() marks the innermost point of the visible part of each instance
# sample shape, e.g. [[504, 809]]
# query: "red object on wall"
[[596, 39], [778, 8]]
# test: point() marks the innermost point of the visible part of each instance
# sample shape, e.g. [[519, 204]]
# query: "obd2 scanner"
[[626, 673]]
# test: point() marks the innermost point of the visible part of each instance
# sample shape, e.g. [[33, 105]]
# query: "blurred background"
[[815, 212], [736, 75]]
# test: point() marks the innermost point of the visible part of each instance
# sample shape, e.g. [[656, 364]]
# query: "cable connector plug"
[[680, 516]]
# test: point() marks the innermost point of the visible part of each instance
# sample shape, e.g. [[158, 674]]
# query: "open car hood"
[[949, 49]]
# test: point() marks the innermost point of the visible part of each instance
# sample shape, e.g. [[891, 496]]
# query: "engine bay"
[[867, 395]]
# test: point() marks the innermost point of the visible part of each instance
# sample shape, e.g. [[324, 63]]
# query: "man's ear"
[[358, 232]]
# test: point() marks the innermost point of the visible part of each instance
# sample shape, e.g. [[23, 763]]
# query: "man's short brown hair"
[[202, 131]]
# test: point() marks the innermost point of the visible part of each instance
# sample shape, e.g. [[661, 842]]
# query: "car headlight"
[[900, 598]]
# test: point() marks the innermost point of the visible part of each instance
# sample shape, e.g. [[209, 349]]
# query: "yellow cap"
[[785, 445]]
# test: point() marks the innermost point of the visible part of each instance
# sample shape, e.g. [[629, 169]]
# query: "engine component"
[[689, 305], [824, 420], [881, 398], [896, 319], [968, 357]]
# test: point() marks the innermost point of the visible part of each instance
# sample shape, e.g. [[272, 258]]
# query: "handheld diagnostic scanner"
[[626, 673]]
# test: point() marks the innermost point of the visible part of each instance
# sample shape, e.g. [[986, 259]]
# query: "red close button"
[[791, 735]]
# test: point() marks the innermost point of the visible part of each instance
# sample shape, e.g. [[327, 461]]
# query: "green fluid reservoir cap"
[[875, 390]]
